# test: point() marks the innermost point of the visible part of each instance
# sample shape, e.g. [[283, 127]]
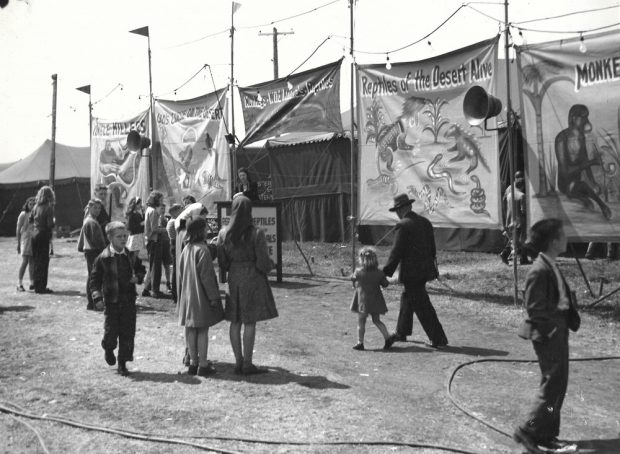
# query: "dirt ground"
[[319, 396]]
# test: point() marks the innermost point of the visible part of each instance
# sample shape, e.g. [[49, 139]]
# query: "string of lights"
[[109, 93], [567, 14], [202, 68]]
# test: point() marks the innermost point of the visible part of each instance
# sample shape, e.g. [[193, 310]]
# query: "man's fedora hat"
[[401, 200]]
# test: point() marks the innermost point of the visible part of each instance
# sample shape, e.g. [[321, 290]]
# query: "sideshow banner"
[[112, 163], [571, 106], [195, 153], [304, 102], [414, 139]]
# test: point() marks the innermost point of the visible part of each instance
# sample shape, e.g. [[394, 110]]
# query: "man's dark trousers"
[[543, 422], [415, 300]]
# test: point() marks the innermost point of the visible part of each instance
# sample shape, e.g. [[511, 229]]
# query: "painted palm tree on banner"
[[536, 83]]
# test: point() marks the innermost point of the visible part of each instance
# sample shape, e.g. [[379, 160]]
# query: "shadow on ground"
[[15, 309], [163, 377], [611, 446]]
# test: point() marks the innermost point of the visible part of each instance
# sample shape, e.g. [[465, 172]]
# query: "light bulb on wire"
[[259, 98], [388, 64], [289, 85], [582, 45]]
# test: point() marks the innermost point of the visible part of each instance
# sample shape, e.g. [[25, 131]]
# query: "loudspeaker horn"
[[478, 106], [136, 142]]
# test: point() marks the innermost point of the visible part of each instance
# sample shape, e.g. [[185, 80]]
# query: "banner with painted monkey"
[[414, 139], [570, 93]]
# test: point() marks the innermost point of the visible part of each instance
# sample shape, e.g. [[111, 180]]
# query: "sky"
[[87, 42]]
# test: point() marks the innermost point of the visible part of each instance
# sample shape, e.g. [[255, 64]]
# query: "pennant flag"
[[414, 139], [84, 89], [235, 7], [144, 31]]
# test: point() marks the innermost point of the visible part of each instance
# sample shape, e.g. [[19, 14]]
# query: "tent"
[[22, 180], [310, 175]]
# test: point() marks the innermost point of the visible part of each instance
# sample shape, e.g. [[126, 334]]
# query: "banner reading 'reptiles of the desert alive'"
[[194, 149], [570, 93], [113, 164], [414, 139], [305, 102]]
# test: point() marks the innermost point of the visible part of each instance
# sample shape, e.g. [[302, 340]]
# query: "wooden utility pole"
[[53, 153], [275, 34]]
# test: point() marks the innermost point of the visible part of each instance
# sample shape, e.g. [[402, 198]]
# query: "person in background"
[[113, 282], [101, 193], [135, 225], [188, 200], [242, 254], [368, 299], [164, 244], [200, 305], [519, 221], [191, 211], [151, 237], [414, 249], [91, 243], [23, 232], [246, 186], [551, 312], [174, 211], [42, 217]]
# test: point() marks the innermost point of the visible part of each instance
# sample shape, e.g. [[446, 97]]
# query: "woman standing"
[[135, 226], [24, 232], [200, 306], [242, 253], [92, 243], [42, 217], [246, 186], [151, 236]]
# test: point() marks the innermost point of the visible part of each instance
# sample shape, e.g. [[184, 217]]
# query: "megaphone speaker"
[[136, 142], [478, 106]]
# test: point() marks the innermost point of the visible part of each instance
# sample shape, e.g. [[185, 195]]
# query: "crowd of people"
[[182, 244]]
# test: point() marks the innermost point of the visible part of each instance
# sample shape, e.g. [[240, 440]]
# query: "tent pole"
[[353, 178], [511, 154], [53, 152], [233, 152]]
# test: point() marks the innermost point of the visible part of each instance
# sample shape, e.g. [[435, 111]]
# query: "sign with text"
[[266, 217], [570, 93], [304, 102], [414, 139]]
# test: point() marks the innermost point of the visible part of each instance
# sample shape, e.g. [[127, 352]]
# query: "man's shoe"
[[44, 291], [398, 338], [525, 439], [437, 345], [31, 287], [251, 369], [556, 446], [109, 357], [192, 370], [146, 292], [122, 369], [504, 258], [358, 346]]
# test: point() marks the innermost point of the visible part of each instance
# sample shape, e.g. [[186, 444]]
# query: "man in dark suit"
[[414, 249], [552, 311]]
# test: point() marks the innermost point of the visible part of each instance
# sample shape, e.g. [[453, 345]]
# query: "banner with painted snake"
[[414, 139]]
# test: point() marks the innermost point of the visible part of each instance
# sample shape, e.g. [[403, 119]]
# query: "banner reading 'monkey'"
[[571, 106], [304, 102], [194, 149], [414, 139]]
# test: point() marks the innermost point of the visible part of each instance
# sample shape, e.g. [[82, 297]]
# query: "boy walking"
[[113, 281]]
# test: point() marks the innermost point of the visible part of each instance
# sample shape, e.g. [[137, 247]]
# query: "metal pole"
[[275, 53], [353, 177], [152, 116], [511, 154], [53, 152], [233, 145]]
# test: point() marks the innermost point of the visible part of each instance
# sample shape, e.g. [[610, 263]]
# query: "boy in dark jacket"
[[113, 281]]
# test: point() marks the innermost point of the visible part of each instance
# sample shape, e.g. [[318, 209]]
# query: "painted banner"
[[570, 93], [304, 102], [111, 163], [414, 140], [194, 150]]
